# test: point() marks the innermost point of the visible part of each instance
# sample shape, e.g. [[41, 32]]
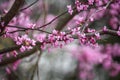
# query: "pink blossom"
[[91, 2], [22, 49], [97, 35], [118, 32], [80, 20], [90, 30], [105, 28], [8, 70], [80, 6], [70, 10], [14, 53], [32, 26]]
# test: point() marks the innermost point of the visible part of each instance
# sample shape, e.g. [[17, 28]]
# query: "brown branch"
[[7, 60], [102, 32], [5, 50], [11, 13]]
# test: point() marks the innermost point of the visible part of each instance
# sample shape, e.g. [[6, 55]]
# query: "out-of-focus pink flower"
[[118, 32], [16, 64], [91, 2], [105, 28], [88, 58], [8, 70], [109, 64]]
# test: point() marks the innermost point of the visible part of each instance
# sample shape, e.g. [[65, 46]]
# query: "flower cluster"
[[89, 40], [56, 39], [86, 38], [25, 42], [80, 6]]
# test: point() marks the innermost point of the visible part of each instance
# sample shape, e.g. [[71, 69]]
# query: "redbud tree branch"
[[11, 59], [10, 14], [7, 60], [102, 32], [5, 50]]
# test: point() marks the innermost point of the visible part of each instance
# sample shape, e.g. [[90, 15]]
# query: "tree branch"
[[102, 32], [5, 50], [11, 59], [11, 13], [7, 60]]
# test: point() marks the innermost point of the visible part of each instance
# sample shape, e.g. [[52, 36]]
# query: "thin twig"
[[65, 19], [26, 29], [102, 32], [44, 11], [36, 66], [53, 19], [29, 5]]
